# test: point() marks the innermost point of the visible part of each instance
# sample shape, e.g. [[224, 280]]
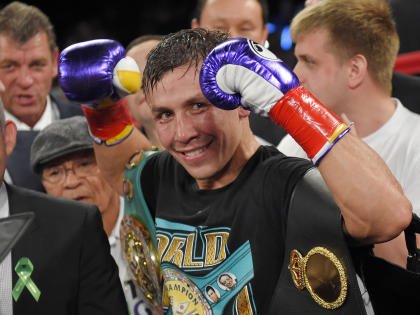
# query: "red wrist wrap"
[[109, 122], [314, 127]]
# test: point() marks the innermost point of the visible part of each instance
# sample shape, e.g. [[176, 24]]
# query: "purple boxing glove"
[[85, 70], [97, 74], [242, 72], [92, 71]]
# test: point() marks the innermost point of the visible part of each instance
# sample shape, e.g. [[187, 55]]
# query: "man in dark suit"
[[28, 66], [62, 264]]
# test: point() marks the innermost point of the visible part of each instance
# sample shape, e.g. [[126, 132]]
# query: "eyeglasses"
[[81, 167]]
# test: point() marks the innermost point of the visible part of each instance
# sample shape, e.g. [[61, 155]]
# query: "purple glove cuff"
[[85, 70]]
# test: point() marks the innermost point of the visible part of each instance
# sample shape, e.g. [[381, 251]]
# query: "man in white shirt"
[[28, 65], [351, 74]]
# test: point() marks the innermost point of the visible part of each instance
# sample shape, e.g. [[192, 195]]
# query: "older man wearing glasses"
[[62, 154]]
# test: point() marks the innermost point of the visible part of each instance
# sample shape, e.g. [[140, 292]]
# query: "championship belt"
[[208, 294], [138, 234]]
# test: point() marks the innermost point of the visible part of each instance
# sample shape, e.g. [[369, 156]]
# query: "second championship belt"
[[138, 233]]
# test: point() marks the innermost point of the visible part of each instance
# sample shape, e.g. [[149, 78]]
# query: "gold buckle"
[[323, 275]]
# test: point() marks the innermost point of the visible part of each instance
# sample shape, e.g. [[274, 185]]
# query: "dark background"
[[125, 20]]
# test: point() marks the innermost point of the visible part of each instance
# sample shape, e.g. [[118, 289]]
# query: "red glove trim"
[[108, 122], [314, 127]]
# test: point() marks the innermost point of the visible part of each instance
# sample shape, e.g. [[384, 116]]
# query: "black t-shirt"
[[233, 233]]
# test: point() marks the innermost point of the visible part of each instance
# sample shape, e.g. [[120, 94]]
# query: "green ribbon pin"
[[24, 270]]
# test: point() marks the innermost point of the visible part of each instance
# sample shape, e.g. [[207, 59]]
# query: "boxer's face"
[[227, 281], [27, 71], [212, 295], [200, 136], [241, 18]]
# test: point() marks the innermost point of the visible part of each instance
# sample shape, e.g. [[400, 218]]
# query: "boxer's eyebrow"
[[160, 109], [196, 99]]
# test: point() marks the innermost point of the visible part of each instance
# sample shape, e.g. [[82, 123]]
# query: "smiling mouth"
[[193, 153], [196, 152]]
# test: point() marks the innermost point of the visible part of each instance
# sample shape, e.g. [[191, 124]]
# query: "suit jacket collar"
[[17, 204], [66, 108]]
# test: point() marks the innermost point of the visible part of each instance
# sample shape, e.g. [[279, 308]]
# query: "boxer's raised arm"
[[98, 75], [240, 72]]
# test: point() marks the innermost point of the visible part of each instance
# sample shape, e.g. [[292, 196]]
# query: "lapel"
[[18, 203], [67, 109]]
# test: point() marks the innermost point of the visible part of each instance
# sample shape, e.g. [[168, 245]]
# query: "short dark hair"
[[22, 22], [201, 3], [142, 39], [188, 46]]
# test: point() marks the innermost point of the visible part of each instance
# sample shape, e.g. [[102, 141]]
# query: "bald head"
[[240, 18], [140, 51]]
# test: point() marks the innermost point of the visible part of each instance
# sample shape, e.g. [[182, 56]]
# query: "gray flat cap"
[[61, 137]]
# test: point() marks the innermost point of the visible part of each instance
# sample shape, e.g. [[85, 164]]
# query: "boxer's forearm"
[[113, 159], [371, 200], [98, 73]]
